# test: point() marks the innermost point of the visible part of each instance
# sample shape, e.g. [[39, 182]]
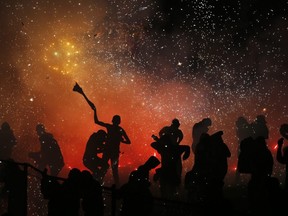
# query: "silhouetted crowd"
[[203, 183]]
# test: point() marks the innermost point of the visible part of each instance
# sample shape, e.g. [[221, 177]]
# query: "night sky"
[[148, 61]]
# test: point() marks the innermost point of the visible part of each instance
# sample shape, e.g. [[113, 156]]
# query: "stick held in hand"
[[78, 89]]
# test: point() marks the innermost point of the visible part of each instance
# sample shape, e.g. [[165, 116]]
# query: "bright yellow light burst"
[[62, 56]]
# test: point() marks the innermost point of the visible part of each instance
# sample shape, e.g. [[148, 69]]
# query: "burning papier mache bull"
[[78, 89]]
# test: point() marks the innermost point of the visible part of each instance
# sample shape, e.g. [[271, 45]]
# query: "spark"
[[65, 58]]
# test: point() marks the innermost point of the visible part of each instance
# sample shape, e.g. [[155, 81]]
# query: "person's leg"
[[104, 168], [114, 165]]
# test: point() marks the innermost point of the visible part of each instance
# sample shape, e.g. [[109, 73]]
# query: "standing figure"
[[50, 155], [261, 175], [95, 145], [169, 174], [198, 129], [115, 136], [175, 136], [243, 131], [7, 141], [205, 181], [92, 195], [63, 198]]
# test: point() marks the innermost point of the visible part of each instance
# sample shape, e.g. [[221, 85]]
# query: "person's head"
[[86, 176], [217, 137], [151, 163], [102, 135], [175, 123], [140, 176], [40, 129], [241, 121], [207, 122], [5, 126], [74, 175], [116, 120]]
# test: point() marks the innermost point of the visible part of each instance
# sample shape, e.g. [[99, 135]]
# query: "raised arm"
[[96, 120]]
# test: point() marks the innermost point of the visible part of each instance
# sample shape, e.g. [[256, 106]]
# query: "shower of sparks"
[[148, 61], [62, 57]]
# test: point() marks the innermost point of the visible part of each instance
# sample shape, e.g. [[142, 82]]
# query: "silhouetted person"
[[261, 171], [247, 151], [195, 180], [95, 145], [64, 198], [176, 136], [243, 131], [205, 181], [15, 186], [7, 141], [50, 155], [136, 196], [198, 129], [115, 136], [169, 175], [282, 157], [51, 190], [91, 194], [260, 127], [173, 131], [218, 163], [71, 190], [255, 158], [263, 159]]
